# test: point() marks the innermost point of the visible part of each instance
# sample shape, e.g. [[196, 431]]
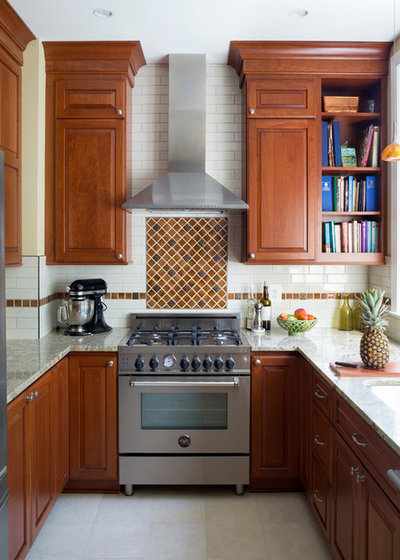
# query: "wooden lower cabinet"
[[93, 421], [35, 440], [365, 524], [274, 453], [305, 426]]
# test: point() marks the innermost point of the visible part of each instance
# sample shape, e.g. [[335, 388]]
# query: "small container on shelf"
[[340, 104]]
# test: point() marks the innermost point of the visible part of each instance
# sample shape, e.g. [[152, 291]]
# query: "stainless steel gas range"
[[184, 401]]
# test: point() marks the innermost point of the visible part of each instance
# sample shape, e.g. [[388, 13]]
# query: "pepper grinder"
[[257, 326]]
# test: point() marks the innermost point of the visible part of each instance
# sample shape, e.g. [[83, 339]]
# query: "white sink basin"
[[387, 390]]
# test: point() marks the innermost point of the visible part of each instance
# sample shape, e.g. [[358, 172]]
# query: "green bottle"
[[346, 315], [357, 317]]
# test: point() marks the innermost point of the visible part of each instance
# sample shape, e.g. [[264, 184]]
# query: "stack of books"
[[335, 155], [350, 237], [349, 194]]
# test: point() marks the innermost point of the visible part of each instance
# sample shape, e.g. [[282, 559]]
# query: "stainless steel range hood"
[[186, 186]]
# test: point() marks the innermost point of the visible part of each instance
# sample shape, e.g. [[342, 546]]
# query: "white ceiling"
[[190, 26]]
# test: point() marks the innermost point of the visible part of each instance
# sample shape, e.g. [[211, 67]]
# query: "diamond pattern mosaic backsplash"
[[187, 263]]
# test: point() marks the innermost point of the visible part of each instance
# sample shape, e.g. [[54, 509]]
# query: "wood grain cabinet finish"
[[19, 477], [93, 421], [88, 122], [281, 178], [305, 425], [288, 80], [15, 35], [275, 422], [281, 96], [37, 434]]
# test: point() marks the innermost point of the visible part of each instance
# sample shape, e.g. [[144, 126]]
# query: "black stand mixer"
[[83, 313]]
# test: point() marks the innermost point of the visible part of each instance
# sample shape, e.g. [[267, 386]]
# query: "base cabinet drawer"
[[320, 495]]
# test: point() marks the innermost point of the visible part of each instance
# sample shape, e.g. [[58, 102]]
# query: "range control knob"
[[139, 364], [230, 363], [153, 363], [185, 363], [207, 363], [196, 363], [218, 363]]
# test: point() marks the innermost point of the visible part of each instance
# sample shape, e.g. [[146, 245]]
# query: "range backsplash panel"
[[186, 263]]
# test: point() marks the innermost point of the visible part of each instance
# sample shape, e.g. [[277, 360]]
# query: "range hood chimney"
[[186, 186]]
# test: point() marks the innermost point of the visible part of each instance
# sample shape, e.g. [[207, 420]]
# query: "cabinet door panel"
[[9, 99], [345, 501], [18, 459], [12, 214], [281, 97], [93, 418], [60, 426], [380, 523], [41, 453], [320, 495], [83, 98], [89, 191], [274, 437], [281, 176]]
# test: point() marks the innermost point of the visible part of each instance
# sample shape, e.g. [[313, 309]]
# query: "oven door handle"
[[235, 383]]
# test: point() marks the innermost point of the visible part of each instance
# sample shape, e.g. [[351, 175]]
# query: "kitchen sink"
[[387, 390]]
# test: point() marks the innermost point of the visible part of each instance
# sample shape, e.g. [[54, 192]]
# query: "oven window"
[[194, 411]]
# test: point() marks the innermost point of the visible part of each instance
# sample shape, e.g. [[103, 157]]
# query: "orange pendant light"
[[392, 150]]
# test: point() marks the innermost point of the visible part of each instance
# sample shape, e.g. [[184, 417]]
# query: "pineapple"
[[374, 346]]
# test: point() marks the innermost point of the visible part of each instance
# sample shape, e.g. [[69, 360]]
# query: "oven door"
[[184, 415]]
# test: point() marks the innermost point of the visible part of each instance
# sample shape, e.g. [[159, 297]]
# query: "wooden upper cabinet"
[[88, 116], [288, 80], [89, 191], [281, 97], [15, 35], [96, 98], [281, 155]]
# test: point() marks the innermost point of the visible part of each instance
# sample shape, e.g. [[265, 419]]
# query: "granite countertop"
[[322, 346], [27, 360]]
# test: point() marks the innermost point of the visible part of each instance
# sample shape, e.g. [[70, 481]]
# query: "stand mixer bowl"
[[76, 313]]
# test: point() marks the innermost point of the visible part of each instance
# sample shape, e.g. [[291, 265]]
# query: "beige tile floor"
[[181, 524]]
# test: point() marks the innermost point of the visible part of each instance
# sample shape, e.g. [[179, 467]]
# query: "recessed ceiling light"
[[102, 12], [298, 12]]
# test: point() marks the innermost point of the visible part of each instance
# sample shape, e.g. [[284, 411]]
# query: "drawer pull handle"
[[319, 395], [353, 470], [317, 441], [316, 498], [356, 441], [360, 478]]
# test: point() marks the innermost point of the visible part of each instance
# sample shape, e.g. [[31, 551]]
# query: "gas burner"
[[219, 337], [151, 337]]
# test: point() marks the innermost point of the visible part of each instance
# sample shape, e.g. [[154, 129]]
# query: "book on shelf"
[[365, 145], [327, 196], [331, 157], [336, 143], [349, 157], [324, 144], [374, 152], [350, 237], [371, 194]]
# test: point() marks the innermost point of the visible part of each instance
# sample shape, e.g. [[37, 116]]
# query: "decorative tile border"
[[298, 295], [60, 295]]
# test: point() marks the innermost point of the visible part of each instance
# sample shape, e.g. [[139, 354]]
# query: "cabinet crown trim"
[[14, 27], [256, 56]]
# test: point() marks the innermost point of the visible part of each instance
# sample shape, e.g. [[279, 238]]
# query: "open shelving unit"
[[351, 129]]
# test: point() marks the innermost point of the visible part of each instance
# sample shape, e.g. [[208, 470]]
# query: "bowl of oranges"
[[297, 324]]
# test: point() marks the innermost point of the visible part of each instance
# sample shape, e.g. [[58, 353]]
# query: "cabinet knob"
[[27, 398], [36, 394], [257, 362], [32, 396], [110, 363], [119, 255], [252, 111], [119, 111], [316, 497], [252, 256]]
